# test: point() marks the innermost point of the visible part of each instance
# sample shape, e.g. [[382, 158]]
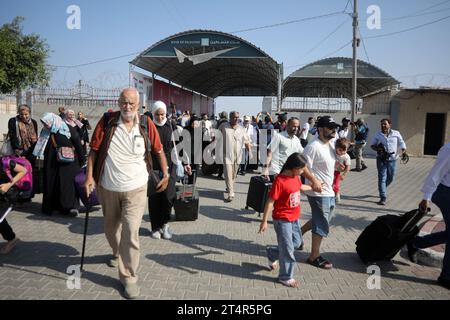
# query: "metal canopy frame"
[[242, 69], [332, 78]]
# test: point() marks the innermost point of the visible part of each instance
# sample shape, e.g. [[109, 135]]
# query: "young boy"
[[342, 165]]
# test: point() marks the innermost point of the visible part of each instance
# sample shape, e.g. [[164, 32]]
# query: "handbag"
[[6, 149], [179, 172], [63, 154]]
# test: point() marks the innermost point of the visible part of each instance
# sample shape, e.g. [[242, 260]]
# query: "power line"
[[97, 61], [169, 12], [251, 29], [430, 7], [364, 44], [389, 20], [348, 2], [289, 22], [336, 51], [323, 40], [409, 29], [325, 56]]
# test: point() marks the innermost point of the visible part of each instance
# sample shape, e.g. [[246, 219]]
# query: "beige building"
[[421, 115]]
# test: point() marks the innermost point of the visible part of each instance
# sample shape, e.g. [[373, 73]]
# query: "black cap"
[[346, 119], [327, 122]]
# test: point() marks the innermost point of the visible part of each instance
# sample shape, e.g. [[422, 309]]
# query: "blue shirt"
[[361, 134], [391, 142]]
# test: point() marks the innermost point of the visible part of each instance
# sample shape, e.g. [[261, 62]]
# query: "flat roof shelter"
[[212, 63], [332, 78]]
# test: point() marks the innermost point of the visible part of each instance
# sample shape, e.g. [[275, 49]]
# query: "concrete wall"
[[378, 103], [409, 111], [93, 114]]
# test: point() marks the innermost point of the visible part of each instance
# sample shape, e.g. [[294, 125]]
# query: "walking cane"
[[86, 219], [91, 201]]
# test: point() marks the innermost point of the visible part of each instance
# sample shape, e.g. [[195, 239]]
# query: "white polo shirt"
[[125, 168], [282, 146]]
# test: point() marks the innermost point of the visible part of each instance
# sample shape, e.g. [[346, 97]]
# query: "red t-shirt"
[[286, 193]]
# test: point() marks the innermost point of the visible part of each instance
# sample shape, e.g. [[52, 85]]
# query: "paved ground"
[[220, 256]]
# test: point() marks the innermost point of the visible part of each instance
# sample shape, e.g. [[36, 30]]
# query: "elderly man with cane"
[[119, 164]]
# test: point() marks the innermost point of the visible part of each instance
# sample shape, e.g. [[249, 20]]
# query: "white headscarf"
[[156, 106]]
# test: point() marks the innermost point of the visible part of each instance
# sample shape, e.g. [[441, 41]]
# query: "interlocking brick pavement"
[[220, 256]]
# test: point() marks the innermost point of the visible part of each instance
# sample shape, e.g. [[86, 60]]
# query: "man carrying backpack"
[[119, 164]]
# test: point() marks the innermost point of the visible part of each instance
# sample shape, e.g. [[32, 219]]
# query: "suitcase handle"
[[185, 180], [407, 224]]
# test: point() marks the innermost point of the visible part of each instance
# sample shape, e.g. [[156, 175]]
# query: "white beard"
[[128, 115]]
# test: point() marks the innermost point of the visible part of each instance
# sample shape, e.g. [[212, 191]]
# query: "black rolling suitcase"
[[385, 236], [186, 204], [258, 193]]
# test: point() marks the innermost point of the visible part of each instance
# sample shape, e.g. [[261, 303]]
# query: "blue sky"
[[117, 27]]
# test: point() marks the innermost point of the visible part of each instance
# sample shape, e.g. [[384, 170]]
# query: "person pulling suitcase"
[[437, 190]]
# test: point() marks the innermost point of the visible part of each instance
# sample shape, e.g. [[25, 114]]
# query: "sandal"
[[320, 262], [273, 265], [292, 283]]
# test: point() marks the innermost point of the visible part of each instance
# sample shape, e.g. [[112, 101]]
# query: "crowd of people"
[[133, 160]]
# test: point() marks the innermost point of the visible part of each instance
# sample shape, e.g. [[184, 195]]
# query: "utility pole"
[[280, 85], [355, 61]]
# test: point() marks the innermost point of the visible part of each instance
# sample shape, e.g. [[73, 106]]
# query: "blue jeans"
[[441, 198], [386, 172], [322, 209], [289, 237]]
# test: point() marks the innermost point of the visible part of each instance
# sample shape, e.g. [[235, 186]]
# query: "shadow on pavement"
[[75, 225], [228, 214], [349, 261], [377, 210], [220, 243], [56, 257], [195, 263]]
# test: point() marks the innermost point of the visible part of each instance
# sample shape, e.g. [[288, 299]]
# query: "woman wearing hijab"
[[160, 205], [59, 187], [22, 131], [84, 131]]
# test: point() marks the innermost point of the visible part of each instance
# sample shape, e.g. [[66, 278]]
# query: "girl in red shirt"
[[284, 199]]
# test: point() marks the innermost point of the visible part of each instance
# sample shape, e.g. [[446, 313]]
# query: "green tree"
[[22, 59]]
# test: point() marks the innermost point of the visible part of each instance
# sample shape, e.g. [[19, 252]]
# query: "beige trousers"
[[230, 173], [123, 213]]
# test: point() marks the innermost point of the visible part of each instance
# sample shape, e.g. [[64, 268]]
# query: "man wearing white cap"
[[232, 141], [252, 134]]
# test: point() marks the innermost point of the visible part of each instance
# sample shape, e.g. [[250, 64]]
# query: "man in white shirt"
[[282, 145], [321, 162], [233, 139], [119, 164], [344, 129], [387, 142], [436, 189], [305, 130], [253, 136]]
